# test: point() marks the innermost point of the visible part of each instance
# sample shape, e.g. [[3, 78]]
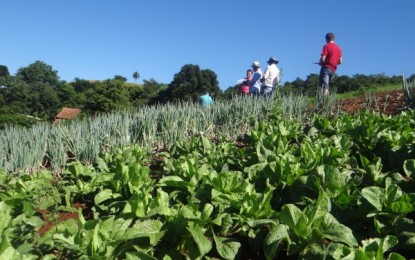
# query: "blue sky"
[[100, 39]]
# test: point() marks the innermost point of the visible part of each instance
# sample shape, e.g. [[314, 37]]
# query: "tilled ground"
[[389, 103]]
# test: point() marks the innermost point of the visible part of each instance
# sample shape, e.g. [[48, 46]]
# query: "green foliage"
[[4, 71], [189, 84], [315, 191], [13, 120], [107, 96], [39, 72]]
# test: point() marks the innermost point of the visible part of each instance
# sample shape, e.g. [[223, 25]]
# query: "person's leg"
[[324, 81]]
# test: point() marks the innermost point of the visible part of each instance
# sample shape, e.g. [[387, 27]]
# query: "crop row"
[[157, 127], [340, 187]]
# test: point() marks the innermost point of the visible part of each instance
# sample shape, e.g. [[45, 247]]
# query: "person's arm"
[[322, 59], [323, 55]]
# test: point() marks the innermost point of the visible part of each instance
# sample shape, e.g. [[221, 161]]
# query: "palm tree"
[[136, 76]]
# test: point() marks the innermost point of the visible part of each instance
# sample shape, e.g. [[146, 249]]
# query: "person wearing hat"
[[331, 56], [271, 76], [255, 81]]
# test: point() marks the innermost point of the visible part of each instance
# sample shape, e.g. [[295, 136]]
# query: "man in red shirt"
[[331, 56]]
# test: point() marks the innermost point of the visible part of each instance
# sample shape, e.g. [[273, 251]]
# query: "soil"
[[388, 103], [51, 219]]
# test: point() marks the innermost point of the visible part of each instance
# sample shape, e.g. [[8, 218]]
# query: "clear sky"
[[98, 39]]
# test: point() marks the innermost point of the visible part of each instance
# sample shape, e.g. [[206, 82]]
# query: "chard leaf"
[[274, 240], [227, 248], [5, 216], [10, 253], [336, 231], [290, 215], [403, 205], [160, 205], [375, 196], [395, 256], [207, 211], [378, 246], [148, 228], [175, 182], [405, 230], [104, 195], [333, 179], [34, 221], [409, 168], [203, 244]]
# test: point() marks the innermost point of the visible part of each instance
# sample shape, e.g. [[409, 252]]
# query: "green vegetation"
[[374, 90], [340, 187], [409, 90], [36, 91], [249, 178]]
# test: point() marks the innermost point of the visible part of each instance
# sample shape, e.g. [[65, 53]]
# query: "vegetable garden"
[[280, 184]]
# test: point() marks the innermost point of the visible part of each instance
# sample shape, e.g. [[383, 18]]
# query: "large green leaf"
[[409, 168], [203, 243], [290, 215], [405, 204], [227, 248], [273, 242], [104, 195], [148, 228], [375, 196], [336, 231], [160, 205], [176, 182]]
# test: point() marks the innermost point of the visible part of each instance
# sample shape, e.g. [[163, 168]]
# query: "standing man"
[[331, 56], [271, 76], [255, 81], [205, 100]]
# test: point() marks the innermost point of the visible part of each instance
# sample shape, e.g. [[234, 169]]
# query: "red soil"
[[389, 103]]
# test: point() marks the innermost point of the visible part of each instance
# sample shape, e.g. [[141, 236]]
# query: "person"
[[244, 89], [205, 100], [255, 82], [271, 76], [331, 56]]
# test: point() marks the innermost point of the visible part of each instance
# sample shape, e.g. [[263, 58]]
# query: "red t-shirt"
[[333, 54]]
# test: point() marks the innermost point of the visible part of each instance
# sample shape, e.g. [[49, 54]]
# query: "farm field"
[[388, 102], [333, 188]]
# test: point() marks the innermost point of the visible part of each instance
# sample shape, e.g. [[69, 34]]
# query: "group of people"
[[258, 83]]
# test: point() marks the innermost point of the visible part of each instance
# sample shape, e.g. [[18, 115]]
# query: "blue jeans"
[[326, 75]]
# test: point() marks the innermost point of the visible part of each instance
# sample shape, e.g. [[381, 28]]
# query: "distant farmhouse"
[[67, 113]]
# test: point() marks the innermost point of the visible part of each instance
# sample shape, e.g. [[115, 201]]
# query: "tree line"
[[36, 92]]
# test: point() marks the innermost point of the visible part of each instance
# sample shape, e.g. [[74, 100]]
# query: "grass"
[[373, 90]]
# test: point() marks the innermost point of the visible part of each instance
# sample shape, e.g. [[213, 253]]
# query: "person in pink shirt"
[[331, 56], [244, 89]]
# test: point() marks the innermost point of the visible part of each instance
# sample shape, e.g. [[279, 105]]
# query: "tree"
[[39, 72], [189, 84], [43, 100], [106, 96], [4, 71], [136, 76]]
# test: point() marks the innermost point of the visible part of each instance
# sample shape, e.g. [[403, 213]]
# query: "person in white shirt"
[[255, 81], [271, 76]]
